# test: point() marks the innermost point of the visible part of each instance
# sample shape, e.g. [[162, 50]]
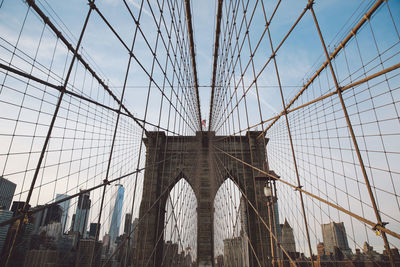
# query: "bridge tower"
[[170, 158]]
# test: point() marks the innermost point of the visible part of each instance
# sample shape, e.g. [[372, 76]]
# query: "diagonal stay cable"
[[254, 208], [166, 190], [344, 88], [360, 218], [79, 57], [135, 57], [69, 92], [342, 44]]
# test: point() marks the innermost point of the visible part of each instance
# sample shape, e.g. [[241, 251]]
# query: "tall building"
[[106, 243], [53, 230], [20, 246], [171, 252], [334, 235], [82, 214], [116, 214], [233, 252], [7, 189], [4, 215], [276, 216], [128, 223], [46, 216], [65, 208], [286, 237], [37, 219], [53, 214], [220, 261], [321, 249], [42, 257], [72, 222], [93, 229], [87, 248], [135, 232]]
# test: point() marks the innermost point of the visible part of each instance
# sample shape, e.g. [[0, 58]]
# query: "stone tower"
[[194, 158]]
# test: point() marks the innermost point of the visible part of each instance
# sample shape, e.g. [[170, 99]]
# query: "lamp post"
[[269, 195]]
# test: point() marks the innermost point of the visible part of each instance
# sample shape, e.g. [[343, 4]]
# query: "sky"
[[297, 60]]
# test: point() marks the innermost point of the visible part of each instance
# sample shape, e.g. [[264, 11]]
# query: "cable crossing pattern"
[[220, 133]]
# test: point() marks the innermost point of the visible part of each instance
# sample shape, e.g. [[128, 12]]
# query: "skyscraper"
[[234, 252], [286, 237], [7, 189], [334, 235], [46, 216], [82, 214], [116, 214], [65, 208], [73, 222], [93, 230], [86, 249], [276, 217], [128, 223], [4, 215]]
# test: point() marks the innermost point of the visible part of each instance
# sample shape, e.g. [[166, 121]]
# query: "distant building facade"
[[39, 258], [174, 258], [53, 230], [93, 229], [116, 214], [170, 254], [128, 223], [321, 249], [4, 215], [65, 209], [233, 252], [87, 248], [80, 221], [334, 235], [46, 216], [287, 237], [365, 258], [22, 243], [219, 261], [7, 190]]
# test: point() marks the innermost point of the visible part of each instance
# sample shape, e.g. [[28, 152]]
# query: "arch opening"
[[230, 238], [180, 226]]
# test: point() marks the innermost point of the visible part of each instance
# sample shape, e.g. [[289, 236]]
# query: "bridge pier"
[[168, 159]]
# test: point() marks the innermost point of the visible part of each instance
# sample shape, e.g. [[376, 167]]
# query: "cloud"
[[247, 80], [264, 102], [145, 11]]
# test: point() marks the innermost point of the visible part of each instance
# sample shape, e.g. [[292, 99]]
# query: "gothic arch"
[[195, 159]]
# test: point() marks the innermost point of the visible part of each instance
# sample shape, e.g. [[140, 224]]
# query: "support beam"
[[216, 48], [193, 58]]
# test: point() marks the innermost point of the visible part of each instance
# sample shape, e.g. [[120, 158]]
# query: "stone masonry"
[[196, 159]]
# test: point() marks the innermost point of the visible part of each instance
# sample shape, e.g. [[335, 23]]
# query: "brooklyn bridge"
[[199, 133]]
